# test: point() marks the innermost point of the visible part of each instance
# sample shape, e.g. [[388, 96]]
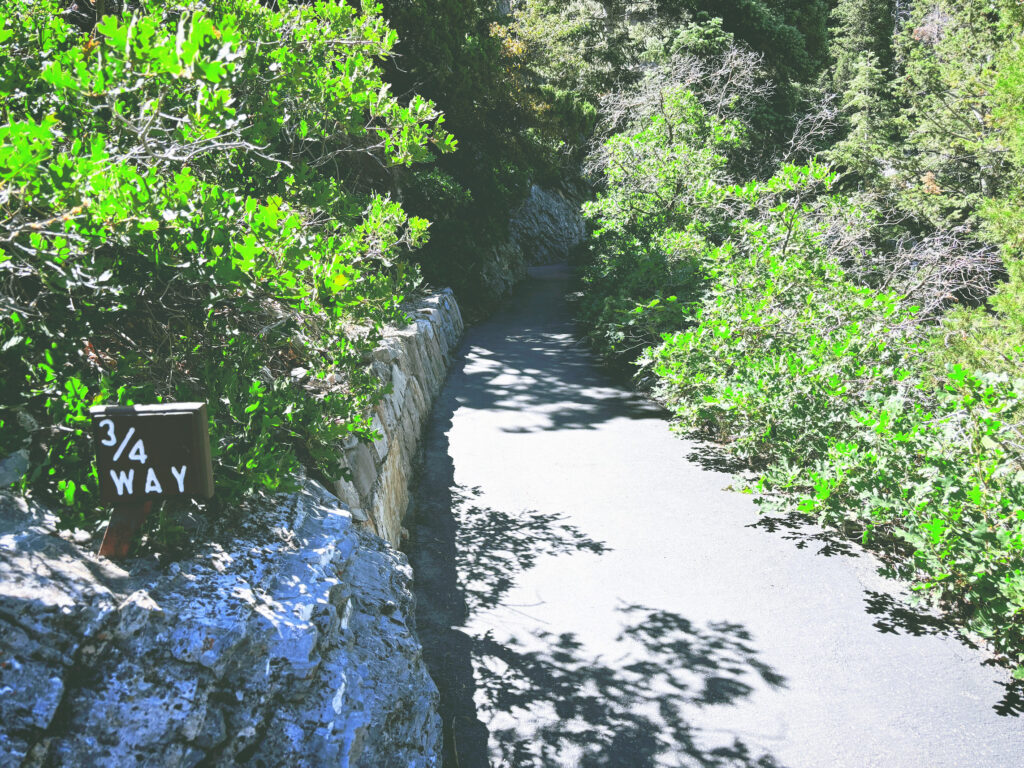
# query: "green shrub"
[[818, 382], [653, 219], [830, 388], [187, 212]]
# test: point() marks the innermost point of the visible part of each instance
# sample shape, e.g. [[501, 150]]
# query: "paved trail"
[[590, 594]]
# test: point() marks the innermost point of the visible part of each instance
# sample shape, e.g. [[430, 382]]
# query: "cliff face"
[[292, 644], [544, 229], [548, 225]]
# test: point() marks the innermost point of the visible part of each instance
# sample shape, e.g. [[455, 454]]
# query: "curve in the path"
[[590, 593]]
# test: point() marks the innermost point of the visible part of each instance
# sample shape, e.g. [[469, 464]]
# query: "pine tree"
[[1004, 215], [951, 162], [867, 107], [860, 27]]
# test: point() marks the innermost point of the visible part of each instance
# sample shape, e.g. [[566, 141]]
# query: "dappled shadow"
[[1012, 703], [714, 458], [466, 557], [493, 547], [892, 615], [555, 703], [544, 698], [897, 618], [805, 532], [542, 368]]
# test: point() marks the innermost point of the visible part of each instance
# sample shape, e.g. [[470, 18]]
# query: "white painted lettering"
[[111, 438], [152, 484], [123, 482], [179, 475], [124, 444], [138, 453]]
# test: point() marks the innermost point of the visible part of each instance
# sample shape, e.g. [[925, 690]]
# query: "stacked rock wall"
[[414, 361]]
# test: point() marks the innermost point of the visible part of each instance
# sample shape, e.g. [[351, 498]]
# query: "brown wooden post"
[[124, 524]]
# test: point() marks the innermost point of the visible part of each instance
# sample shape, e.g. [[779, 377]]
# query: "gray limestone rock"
[[13, 468], [547, 226], [502, 269], [291, 647], [53, 604]]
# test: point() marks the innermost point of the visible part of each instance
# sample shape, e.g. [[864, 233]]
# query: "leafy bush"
[[818, 382], [187, 212], [650, 230], [662, 202], [781, 332]]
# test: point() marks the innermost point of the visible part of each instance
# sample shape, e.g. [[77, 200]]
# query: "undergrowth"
[[772, 325]]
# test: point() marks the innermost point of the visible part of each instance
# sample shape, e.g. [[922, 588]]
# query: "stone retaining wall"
[[414, 361]]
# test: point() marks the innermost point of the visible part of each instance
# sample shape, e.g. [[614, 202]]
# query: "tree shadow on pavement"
[[893, 615], [1012, 703], [794, 526], [713, 457], [504, 545], [804, 532], [554, 703], [466, 558], [570, 391], [541, 368], [543, 699], [897, 618]]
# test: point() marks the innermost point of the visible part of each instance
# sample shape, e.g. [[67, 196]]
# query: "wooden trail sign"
[[147, 453]]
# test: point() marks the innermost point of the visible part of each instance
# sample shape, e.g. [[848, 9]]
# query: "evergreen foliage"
[[861, 28], [457, 53]]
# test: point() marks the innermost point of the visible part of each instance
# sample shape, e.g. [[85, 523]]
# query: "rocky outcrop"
[[544, 229], [292, 646], [413, 360], [547, 226], [502, 269]]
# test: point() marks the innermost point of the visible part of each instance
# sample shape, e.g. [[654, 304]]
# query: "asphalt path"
[[591, 593]]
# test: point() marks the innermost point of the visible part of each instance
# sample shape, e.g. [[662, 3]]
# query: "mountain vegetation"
[[833, 291], [806, 228], [194, 205]]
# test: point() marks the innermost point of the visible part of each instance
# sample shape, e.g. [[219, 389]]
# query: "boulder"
[[291, 645]]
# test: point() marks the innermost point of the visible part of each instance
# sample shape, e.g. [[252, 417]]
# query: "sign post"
[[148, 453]]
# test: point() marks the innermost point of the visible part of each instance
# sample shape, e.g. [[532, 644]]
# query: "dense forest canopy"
[[806, 226]]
